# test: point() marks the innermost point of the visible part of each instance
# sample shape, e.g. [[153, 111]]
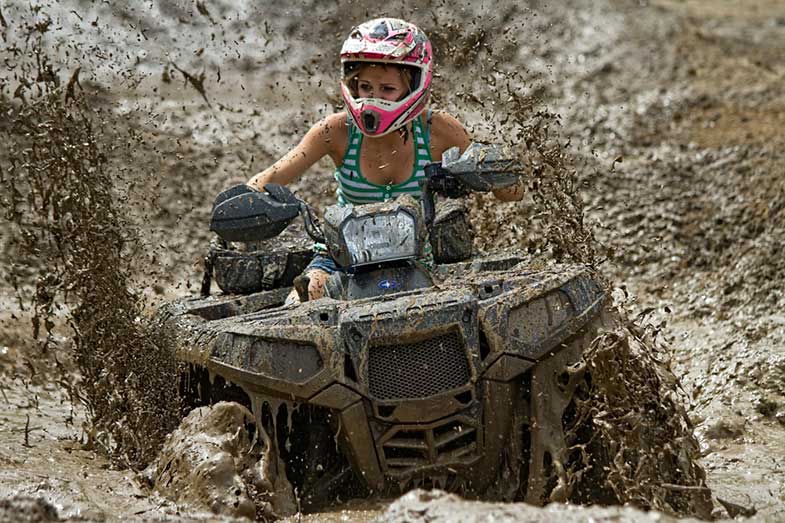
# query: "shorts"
[[322, 262]]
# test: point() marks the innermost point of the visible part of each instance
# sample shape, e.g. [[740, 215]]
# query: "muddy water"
[[43, 458], [673, 111]]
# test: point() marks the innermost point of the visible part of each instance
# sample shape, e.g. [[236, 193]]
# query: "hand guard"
[[483, 167]]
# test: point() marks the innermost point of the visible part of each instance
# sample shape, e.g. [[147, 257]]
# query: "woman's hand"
[[513, 193]]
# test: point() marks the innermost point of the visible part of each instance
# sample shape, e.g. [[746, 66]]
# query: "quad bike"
[[460, 376]]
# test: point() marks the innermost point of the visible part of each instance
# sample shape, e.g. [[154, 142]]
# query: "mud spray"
[[69, 227], [68, 224]]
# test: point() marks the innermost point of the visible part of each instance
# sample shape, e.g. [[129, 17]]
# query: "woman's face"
[[376, 81]]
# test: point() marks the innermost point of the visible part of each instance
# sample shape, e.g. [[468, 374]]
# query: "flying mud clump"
[[211, 461], [642, 434], [68, 227]]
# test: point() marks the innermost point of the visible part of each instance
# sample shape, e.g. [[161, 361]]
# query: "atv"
[[460, 375]]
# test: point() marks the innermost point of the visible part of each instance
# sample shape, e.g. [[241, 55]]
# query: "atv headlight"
[[381, 237]]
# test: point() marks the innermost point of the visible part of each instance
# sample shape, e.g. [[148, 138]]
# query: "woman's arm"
[[322, 139], [447, 132]]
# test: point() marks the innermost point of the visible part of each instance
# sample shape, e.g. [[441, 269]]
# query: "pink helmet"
[[387, 41]]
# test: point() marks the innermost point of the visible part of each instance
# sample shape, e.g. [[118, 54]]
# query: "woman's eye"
[[388, 89]]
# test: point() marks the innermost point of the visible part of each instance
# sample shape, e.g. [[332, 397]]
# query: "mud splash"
[[210, 462], [636, 406], [514, 113], [69, 225], [628, 438]]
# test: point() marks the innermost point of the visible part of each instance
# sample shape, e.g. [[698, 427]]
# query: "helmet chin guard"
[[371, 120], [394, 42]]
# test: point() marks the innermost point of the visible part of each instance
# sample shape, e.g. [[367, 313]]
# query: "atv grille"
[[417, 370], [450, 443]]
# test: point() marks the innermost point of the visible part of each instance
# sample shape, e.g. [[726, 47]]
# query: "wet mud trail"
[[672, 112]]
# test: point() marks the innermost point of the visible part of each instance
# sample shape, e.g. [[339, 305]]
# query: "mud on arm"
[[315, 144]]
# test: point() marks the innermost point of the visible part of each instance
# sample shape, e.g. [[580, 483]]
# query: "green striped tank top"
[[354, 189]]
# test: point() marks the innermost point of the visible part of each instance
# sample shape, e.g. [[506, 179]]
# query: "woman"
[[382, 142]]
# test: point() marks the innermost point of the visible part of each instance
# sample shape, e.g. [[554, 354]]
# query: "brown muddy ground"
[[673, 111]]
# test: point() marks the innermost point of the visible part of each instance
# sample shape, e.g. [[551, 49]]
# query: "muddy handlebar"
[[483, 167], [480, 168], [243, 214]]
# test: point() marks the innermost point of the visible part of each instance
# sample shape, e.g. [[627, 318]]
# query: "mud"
[[66, 221], [668, 113], [28, 509], [635, 402], [419, 505], [211, 463]]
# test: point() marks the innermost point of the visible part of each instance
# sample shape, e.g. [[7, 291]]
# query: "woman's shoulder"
[[333, 123], [336, 118], [443, 123], [439, 117], [446, 131], [333, 130]]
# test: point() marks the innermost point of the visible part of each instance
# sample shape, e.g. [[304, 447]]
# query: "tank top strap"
[[422, 139], [353, 142]]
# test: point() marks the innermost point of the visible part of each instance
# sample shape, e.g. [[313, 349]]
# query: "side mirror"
[[241, 215], [483, 167]]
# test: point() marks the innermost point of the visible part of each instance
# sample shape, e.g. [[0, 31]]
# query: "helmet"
[[387, 41]]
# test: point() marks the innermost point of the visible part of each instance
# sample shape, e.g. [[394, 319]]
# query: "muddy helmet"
[[387, 41]]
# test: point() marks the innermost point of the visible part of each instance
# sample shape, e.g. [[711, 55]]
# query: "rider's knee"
[[318, 278]]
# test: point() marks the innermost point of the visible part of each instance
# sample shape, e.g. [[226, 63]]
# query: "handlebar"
[[480, 168], [241, 213]]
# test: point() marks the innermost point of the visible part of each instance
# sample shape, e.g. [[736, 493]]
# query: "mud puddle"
[[43, 457], [740, 430]]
